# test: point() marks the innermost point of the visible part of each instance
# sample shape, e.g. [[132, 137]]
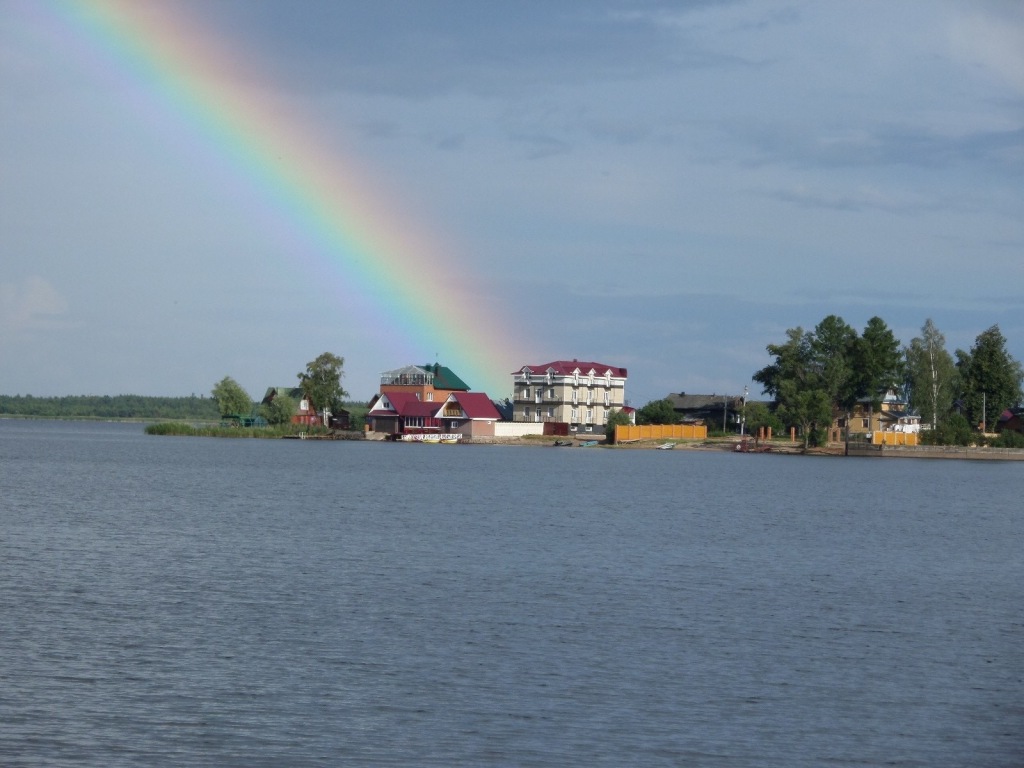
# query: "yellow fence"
[[894, 438], [660, 432]]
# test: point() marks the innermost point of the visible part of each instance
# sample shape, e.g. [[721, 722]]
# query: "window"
[[864, 423], [551, 413], [551, 394], [527, 413], [607, 398], [575, 396], [575, 415], [526, 393], [430, 396], [590, 415]]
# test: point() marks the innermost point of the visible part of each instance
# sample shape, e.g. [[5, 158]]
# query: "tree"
[[809, 409], [279, 410], [930, 375], [990, 378], [322, 382], [834, 347], [616, 418], [878, 362], [797, 379], [231, 398], [657, 412], [792, 362], [758, 415]]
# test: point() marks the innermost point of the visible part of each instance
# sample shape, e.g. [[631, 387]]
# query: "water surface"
[[187, 601]]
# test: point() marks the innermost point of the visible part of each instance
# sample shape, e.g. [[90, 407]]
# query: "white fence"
[[518, 428]]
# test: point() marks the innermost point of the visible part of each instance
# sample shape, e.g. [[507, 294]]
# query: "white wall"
[[518, 428]]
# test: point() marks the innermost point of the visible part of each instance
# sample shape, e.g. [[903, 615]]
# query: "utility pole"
[[743, 416]]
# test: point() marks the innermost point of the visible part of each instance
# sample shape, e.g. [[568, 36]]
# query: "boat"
[[588, 443], [666, 446], [432, 439], [449, 440], [562, 443]]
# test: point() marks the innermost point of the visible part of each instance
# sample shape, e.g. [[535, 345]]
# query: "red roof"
[[566, 368], [404, 404], [477, 405]]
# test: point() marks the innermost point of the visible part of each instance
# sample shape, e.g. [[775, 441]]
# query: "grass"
[[184, 429]]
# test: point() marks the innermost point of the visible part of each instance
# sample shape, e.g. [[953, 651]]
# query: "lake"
[[212, 602]]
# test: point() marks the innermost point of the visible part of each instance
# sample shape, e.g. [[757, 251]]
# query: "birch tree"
[[931, 375]]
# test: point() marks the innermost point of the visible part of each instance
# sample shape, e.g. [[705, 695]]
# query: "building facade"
[[580, 394], [429, 383]]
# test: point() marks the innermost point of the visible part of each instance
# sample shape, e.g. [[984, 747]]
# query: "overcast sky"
[[663, 186]]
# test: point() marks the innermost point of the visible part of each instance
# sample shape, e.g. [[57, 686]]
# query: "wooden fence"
[[894, 438], [627, 432]]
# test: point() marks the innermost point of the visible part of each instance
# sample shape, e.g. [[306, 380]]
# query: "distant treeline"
[[107, 407]]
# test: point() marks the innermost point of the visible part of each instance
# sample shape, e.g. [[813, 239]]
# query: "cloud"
[[991, 37], [859, 199], [28, 306]]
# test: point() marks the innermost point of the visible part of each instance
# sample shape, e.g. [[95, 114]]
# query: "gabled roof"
[[685, 402], [476, 405], [401, 404], [295, 393], [568, 367], [445, 378]]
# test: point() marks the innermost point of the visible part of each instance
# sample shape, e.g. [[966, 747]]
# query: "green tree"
[[878, 362], [759, 415], [322, 382], [792, 363], [616, 418], [231, 398], [931, 375], [796, 380], [990, 378], [808, 409], [279, 410], [834, 354], [657, 412]]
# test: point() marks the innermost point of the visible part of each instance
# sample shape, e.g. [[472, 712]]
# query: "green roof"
[[445, 378]]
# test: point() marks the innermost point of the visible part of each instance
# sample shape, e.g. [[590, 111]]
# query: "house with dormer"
[[892, 415], [403, 414], [305, 410], [578, 393]]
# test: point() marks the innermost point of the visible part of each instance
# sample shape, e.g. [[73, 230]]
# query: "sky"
[[232, 187]]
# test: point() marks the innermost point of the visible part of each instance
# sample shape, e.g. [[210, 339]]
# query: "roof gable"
[[476, 405], [569, 367], [445, 378]]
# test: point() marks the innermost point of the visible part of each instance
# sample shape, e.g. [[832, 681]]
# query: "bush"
[[1009, 438], [955, 430]]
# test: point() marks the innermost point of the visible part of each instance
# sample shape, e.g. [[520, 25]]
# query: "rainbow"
[[324, 208]]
